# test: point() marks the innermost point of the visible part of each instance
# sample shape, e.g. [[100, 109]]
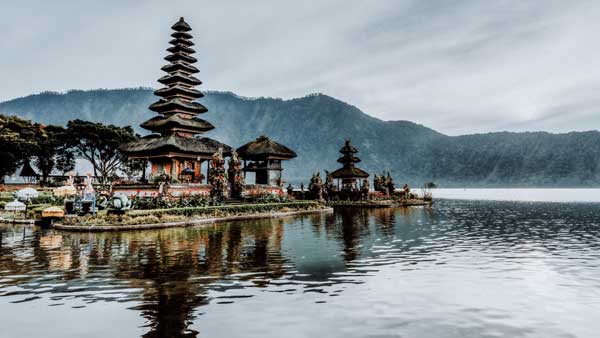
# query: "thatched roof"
[[348, 148], [27, 170], [177, 89], [264, 147], [182, 35], [192, 146], [181, 26], [179, 56], [349, 172], [180, 66], [179, 77], [181, 48], [348, 159], [160, 123], [181, 41], [177, 104]]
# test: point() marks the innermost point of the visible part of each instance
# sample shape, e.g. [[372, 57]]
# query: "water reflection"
[[169, 276]]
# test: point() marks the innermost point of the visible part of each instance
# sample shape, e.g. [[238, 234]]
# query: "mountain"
[[316, 125]]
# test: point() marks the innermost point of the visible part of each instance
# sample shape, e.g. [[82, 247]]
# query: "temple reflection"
[[172, 276], [176, 269], [172, 268]]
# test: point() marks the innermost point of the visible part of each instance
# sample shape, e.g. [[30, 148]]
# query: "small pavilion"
[[28, 173], [263, 157], [176, 147], [349, 175]]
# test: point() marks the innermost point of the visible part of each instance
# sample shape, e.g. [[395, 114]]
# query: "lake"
[[458, 269], [522, 195]]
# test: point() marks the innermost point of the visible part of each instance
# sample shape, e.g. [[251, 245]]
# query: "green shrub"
[[268, 197], [7, 198], [148, 203], [151, 216], [48, 199], [229, 209]]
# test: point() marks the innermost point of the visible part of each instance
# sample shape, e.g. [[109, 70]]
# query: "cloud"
[[456, 66]]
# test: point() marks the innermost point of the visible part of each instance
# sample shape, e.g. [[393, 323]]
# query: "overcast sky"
[[456, 66]]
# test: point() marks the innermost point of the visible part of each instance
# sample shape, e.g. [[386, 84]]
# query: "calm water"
[[526, 195], [459, 269]]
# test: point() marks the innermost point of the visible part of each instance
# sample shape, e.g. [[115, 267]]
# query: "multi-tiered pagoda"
[[176, 146], [349, 174]]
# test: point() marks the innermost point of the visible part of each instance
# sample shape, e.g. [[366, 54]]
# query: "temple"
[[349, 174], [263, 157], [176, 147]]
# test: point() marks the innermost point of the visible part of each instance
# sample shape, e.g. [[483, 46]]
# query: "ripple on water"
[[459, 269]]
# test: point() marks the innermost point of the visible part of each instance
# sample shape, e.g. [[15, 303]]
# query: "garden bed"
[[7, 220], [176, 217]]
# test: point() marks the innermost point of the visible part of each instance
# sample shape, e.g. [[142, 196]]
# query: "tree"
[[52, 149], [99, 144], [135, 167], [16, 143], [66, 162]]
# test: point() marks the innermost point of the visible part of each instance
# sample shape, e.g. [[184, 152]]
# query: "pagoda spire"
[[177, 148], [177, 107], [348, 159], [349, 173]]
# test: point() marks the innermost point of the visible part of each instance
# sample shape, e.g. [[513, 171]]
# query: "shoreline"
[[196, 222], [381, 204], [16, 221]]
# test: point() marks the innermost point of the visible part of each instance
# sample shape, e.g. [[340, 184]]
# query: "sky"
[[459, 67]]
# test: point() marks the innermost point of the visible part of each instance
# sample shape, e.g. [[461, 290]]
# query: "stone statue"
[[70, 181], [378, 183], [364, 189], [121, 203], [316, 186], [217, 177], [405, 191], [89, 188], [236, 179], [389, 184], [330, 189]]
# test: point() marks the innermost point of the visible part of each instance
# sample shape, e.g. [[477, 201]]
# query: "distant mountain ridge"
[[316, 125]]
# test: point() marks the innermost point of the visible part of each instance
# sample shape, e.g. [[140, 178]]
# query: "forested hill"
[[316, 125]]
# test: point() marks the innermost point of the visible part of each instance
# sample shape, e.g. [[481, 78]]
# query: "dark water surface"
[[459, 269]]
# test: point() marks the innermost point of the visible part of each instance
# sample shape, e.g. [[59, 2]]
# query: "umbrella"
[[15, 206], [65, 190], [27, 193], [53, 212]]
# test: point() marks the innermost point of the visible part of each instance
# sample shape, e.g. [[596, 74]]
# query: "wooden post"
[[207, 169], [174, 169], [197, 170]]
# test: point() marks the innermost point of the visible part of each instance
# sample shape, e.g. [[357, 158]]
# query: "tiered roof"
[[178, 94], [349, 171], [154, 144], [177, 123]]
